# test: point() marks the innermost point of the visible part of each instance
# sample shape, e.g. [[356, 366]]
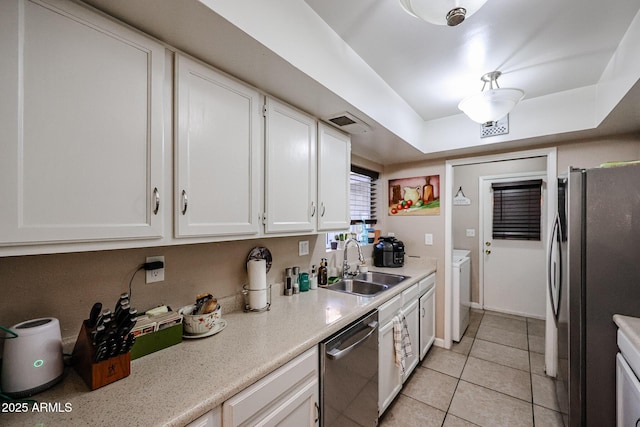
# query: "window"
[[362, 201], [517, 210], [363, 195]]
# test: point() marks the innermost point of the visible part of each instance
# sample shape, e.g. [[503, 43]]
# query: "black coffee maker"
[[388, 252]]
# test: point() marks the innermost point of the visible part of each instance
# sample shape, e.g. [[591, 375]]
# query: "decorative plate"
[[219, 326], [260, 252]]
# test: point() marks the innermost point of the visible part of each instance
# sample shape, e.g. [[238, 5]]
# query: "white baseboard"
[[476, 305], [439, 342]]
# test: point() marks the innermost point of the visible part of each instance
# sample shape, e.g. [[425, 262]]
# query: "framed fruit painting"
[[419, 195]]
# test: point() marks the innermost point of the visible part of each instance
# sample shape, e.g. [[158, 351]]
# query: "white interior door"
[[513, 271]]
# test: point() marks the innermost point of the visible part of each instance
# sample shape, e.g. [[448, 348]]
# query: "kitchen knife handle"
[[185, 202], [93, 315], [156, 197]]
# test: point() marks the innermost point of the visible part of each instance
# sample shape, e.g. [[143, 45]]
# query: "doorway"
[[550, 157], [512, 255]]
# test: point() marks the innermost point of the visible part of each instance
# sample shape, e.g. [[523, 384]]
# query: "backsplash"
[[66, 285]]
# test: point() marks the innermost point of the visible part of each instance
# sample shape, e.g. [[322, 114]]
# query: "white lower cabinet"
[[213, 418], [427, 290], [410, 312], [389, 375], [288, 397], [417, 305]]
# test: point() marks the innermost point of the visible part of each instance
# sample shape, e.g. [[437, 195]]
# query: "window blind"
[[363, 191], [517, 210]]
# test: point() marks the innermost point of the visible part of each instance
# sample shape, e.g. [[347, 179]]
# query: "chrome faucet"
[[345, 264]]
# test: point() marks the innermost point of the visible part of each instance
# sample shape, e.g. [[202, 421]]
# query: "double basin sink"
[[367, 284]]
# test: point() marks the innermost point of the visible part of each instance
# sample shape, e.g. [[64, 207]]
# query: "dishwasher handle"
[[337, 353]]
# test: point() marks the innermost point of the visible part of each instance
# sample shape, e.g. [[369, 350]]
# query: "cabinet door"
[[334, 168], [298, 410], [427, 321], [81, 126], [290, 170], [389, 375], [218, 153], [213, 418], [286, 397], [411, 314]]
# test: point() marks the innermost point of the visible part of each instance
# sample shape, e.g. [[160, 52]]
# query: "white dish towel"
[[401, 341]]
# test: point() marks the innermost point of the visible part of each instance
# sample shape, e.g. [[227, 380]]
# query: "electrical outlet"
[[471, 232], [428, 239], [390, 234], [156, 275], [303, 247]]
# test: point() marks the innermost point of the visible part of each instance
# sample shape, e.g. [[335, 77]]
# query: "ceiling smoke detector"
[[347, 122], [442, 12]]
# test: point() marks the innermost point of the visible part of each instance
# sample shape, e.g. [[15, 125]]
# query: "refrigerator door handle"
[[554, 279]]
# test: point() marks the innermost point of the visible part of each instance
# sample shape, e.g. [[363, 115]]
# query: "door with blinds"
[[513, 248]]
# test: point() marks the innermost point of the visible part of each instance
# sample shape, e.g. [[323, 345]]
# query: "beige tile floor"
[[494, 377]]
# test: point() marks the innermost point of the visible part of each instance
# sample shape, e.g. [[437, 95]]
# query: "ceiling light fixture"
[[493, 104], [442, 12]]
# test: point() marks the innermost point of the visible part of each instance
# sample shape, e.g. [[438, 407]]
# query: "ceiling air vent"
[[348, 123], [499, 127]]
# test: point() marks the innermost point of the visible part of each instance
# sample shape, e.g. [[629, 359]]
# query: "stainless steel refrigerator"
[[603, 263]]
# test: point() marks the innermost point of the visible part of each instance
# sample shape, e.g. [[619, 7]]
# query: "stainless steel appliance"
[[388, 252], [603, 279], [349, 369]]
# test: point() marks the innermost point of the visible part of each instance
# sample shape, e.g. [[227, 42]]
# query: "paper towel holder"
[[247, 306]]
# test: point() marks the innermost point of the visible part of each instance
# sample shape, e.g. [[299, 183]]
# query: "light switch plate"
[[471, 232], [303, 247], [428, 239]]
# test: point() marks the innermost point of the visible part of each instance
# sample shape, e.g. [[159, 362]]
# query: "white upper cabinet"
[[290, 169], [334, 167], [81, 127], [218, 153]]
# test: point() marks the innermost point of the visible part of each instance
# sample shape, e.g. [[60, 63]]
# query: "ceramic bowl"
[[199, 323]]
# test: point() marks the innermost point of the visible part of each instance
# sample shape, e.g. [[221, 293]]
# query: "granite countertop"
[[178, 384]]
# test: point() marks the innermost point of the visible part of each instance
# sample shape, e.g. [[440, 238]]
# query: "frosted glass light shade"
[[437, 11], [490, 105]]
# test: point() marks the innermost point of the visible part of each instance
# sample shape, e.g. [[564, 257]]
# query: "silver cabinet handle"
[[185, 202], [337, 353], [313, 209], [423, 312], [156, 197], [323, 209], [317, 412]]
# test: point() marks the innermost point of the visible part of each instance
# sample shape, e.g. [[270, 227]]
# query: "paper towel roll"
[[257, 269]]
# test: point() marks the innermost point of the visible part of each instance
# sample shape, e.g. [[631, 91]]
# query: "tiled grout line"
[[460, 378]]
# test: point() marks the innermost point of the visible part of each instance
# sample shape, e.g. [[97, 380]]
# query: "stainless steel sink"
[[367, 284], [358, 287], [381, 278]]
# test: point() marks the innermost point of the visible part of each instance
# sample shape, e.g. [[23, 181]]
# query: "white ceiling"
[[541, 46], [405, 77]]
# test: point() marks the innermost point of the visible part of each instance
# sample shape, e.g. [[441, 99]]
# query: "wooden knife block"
[[98, 374]]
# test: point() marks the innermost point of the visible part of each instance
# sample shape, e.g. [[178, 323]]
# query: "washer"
[[461, 292]]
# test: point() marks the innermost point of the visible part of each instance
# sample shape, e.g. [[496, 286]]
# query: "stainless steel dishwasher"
[[349, 381]]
